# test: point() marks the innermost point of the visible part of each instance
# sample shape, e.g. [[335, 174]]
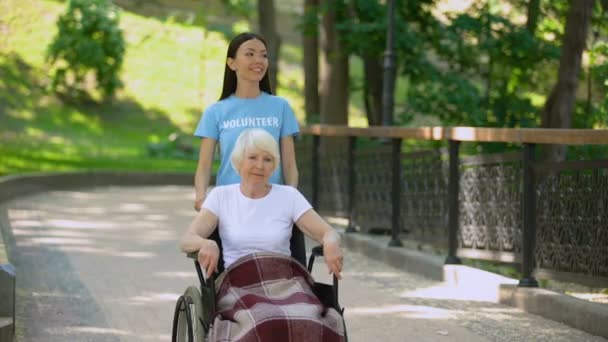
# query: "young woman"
[[246, 102]]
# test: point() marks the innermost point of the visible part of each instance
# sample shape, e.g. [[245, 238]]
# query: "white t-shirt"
[[249, 225]]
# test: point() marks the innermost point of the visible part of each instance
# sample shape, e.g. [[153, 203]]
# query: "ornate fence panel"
[[572, 220], [373, 188], [560, 209], [424, 196], [333, 185], [490, 213]]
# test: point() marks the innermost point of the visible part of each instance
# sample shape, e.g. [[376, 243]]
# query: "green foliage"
[[507, 270], [486, 65], [477, 69], [240, 8], [89, 40], [480, 67], [40, 131], [596, 113], [369, 21], [178, 146]]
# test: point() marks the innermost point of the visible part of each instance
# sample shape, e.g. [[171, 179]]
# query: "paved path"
[[104, 266]]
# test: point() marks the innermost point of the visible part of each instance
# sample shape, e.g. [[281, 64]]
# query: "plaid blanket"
[[269, 297]]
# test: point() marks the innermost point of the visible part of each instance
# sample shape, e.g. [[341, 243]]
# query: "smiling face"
[[256, 166], [250, 62]]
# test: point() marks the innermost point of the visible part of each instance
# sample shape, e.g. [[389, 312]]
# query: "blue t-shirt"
[[224, 120]]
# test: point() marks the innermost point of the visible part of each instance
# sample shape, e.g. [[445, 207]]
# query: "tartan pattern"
[[269, 297]]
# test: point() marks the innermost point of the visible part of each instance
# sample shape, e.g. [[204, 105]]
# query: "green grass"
[[507, 270], [171, 71]]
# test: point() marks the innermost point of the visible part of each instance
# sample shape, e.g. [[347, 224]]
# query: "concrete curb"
[[22, 185], [7, 295], [577, 313]]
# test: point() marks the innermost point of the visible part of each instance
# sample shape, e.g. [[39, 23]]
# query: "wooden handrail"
[[479, 134]]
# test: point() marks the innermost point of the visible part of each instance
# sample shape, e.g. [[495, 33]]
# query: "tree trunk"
[[533, 14], [557, 112], [334, 86], [372, 89], [268, 29], [310, 45]]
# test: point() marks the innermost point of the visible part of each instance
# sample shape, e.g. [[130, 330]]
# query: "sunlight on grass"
[[169, 82], [163, 72], [290, 53], [92, 124], [24, 115], [538, 100], [241, 26], [171, 72], [38, 19]]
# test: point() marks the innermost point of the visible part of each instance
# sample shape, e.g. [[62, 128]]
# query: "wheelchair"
[[194, 310]]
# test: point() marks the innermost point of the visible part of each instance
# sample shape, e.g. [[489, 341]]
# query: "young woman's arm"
[[314, 226], [288, 161], [195, 239], [203, 171]]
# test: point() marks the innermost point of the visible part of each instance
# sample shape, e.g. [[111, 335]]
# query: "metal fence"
[[552, 218]]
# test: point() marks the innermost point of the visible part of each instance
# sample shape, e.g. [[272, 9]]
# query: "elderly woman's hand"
[[333, 256], [208, 256]]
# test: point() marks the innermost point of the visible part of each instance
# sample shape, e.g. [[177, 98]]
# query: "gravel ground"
[[495, 322], [103, 265]]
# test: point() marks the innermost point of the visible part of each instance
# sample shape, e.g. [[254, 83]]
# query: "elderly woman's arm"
[[195, 239], [314, 226]]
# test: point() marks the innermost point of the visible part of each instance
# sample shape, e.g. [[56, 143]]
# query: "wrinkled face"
[[250, 62], [256, 167]]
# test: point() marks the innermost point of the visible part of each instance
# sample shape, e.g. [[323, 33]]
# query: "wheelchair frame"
[[193, 315]]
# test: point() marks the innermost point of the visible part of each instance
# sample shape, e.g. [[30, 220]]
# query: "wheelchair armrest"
[[331, 301], [192, 255], [202, 276], [317, 251]]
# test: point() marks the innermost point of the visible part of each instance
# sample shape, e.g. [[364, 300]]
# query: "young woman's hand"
[[198, 202], [208, 256]]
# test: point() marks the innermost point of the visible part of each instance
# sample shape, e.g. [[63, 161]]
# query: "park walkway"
[[103, 265]]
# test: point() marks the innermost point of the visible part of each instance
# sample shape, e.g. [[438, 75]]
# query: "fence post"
[[528, 211], [352, 145], [453, 207], [396, 192], [315, 171]]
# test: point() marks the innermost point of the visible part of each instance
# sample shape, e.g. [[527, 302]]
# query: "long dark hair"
[[229, 86]]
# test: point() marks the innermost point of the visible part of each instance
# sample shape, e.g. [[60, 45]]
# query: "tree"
[[557, 112], [334, 81], [268, 29], [533, 13], [88, 41], [368, 17], [310, 46]]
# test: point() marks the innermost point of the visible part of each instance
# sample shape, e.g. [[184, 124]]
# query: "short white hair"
[[254, 138]]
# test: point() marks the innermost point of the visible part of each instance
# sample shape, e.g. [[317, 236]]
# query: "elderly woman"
[[255, 220]]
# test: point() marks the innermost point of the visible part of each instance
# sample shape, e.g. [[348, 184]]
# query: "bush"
[[89, 42], [176, 146]]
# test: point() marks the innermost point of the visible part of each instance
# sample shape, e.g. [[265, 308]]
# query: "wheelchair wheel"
[[188, 317]]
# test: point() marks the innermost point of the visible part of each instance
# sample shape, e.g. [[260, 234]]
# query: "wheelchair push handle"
[[318, 251], [202, 273], [192, 255]]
